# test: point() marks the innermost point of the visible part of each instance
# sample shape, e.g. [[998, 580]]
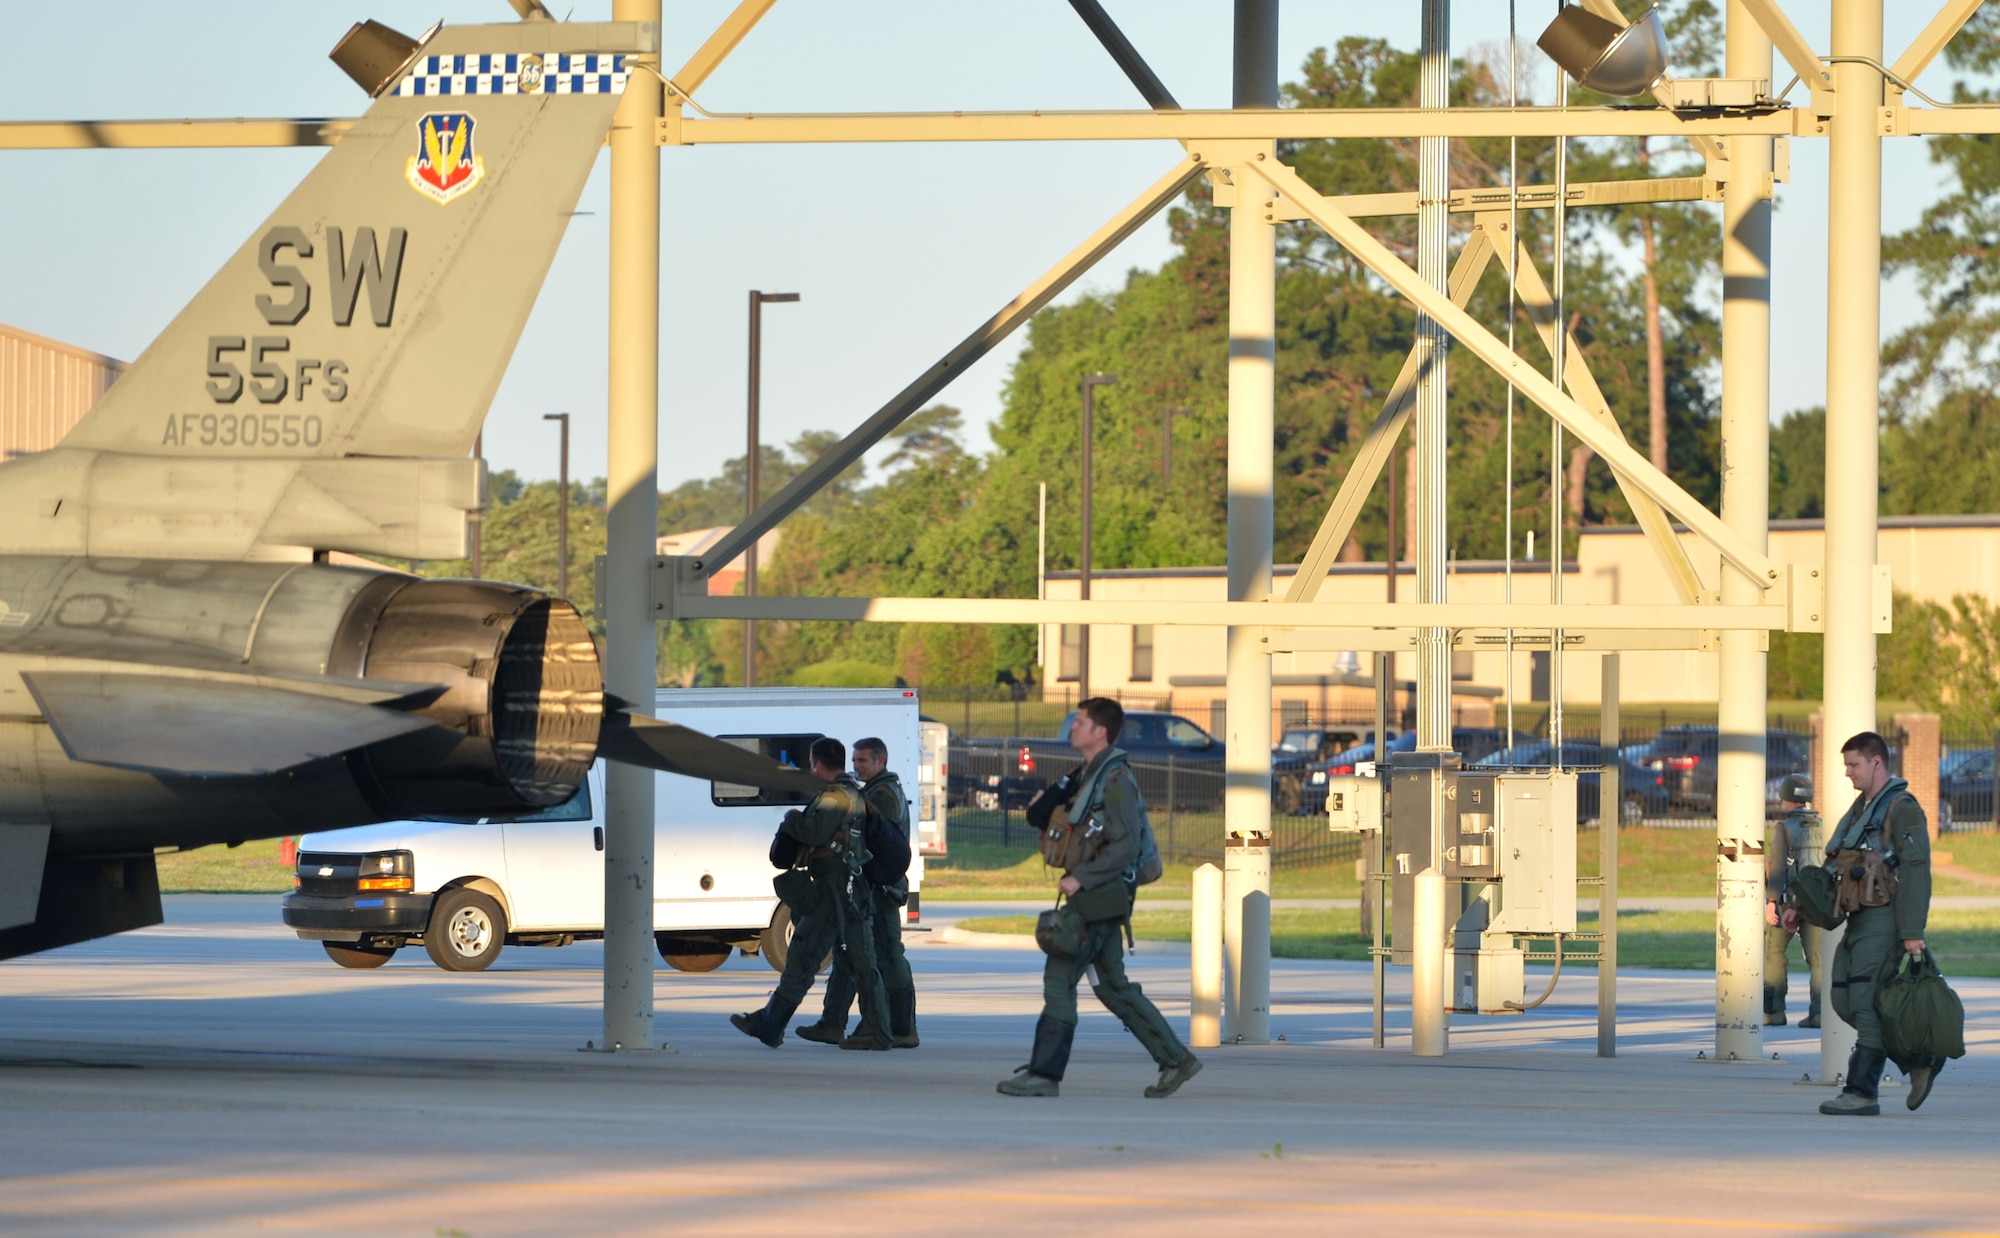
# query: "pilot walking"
[[1794, 841], [1107, 806], [888, 893], [1886, 819], [830, 906]]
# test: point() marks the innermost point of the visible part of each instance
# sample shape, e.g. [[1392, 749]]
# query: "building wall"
[[1189, 661], [1931, 557], [45, 388]]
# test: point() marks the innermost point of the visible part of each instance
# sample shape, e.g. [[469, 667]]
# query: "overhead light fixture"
[[1605, 56], [372, 54]]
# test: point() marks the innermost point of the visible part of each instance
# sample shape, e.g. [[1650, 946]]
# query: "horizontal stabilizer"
[[208, 726], [634, 739]]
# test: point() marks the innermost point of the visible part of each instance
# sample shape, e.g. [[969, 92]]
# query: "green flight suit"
[[885, 791], [1105, 902], [1794, 841], [1873, 943], [840, 916]]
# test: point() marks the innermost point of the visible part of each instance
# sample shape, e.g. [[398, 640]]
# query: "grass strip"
[[1965, 943]]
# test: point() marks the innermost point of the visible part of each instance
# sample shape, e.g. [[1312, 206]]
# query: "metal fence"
[[1966, 760], [1668, 773]]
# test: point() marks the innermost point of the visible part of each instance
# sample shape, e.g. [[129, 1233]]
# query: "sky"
[[898, 251]]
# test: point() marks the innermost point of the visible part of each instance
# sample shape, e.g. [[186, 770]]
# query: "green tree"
[[1939, 450]]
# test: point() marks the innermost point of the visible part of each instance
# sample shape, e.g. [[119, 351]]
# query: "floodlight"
[[372, 53], [1605, 56]]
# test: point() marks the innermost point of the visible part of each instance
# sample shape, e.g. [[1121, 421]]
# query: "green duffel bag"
[[1816, 897], [1923, 1022], [1062, 931]]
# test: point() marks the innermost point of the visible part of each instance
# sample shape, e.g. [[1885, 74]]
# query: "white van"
[[464, 891]]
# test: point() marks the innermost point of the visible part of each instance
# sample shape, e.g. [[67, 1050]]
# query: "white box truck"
[[466, 890]]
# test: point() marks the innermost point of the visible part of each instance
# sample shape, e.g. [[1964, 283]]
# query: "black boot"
[[1859, 1099], [768, 1024], [1046, 1063], [903, 1018], [1774, 1006]]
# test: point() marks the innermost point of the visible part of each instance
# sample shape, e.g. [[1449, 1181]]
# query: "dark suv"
[[1684, 759]]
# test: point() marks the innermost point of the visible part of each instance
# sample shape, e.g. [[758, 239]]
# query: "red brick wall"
[[1918, 738]]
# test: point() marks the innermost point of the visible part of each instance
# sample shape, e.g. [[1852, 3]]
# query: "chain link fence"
[[1668, 765]]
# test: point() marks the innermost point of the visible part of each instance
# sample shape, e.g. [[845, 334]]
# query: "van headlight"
[[388, 870]]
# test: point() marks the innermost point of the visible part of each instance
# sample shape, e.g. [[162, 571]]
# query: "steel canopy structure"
[[1850, 97]]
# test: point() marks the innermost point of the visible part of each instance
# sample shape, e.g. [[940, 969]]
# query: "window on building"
[[1142, 653], [1069, 666]]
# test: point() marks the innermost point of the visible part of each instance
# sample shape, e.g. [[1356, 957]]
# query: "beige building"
[[45, 387], [1931, 557]]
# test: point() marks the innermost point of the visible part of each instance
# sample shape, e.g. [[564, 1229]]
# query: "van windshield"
[[576, 808]]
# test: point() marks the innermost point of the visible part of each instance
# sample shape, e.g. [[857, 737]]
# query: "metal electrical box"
[[1353, 804], [1536, 852], [1423, 817], [1516, 853]]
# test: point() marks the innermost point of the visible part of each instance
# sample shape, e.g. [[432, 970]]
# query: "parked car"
[[1641, 790], [1298, 759], [1965, 787], [1173, 758], [1685, 760], [1472, 743]]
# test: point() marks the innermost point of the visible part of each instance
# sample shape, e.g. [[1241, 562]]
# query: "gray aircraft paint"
[[174, 669]]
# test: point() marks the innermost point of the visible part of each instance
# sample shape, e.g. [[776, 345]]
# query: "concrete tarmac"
[[215, 1075]]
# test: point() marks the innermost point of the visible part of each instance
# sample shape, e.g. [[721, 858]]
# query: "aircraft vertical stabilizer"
[[324, 389]]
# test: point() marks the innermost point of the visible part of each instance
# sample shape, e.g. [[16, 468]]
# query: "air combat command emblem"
[[445, 165]]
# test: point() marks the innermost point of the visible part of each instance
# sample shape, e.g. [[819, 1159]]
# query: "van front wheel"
[[775, 942], [466, 931]]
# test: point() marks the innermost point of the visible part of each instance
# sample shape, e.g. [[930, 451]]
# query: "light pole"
[[1167, 443], [757, 302], [562, 507], [1091, 382]]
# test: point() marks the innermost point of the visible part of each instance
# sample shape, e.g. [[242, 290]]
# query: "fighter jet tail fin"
[[374, 312]]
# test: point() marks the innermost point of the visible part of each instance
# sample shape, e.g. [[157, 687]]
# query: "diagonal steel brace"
[[1540, 304], [1530, 382], [843, 454], [1374, 454]]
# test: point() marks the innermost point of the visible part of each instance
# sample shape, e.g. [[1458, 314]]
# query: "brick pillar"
[[1920, 740]]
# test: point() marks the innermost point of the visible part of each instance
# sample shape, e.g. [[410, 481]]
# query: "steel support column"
[[1253, 311], [1429, 1001], [1433, 221], [1746, 507], [1853, 383], [632, 533]]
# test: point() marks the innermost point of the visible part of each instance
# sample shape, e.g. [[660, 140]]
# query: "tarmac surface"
[[216, 1075]]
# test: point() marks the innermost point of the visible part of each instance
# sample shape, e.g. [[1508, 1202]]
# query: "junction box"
[[1505, 842]]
